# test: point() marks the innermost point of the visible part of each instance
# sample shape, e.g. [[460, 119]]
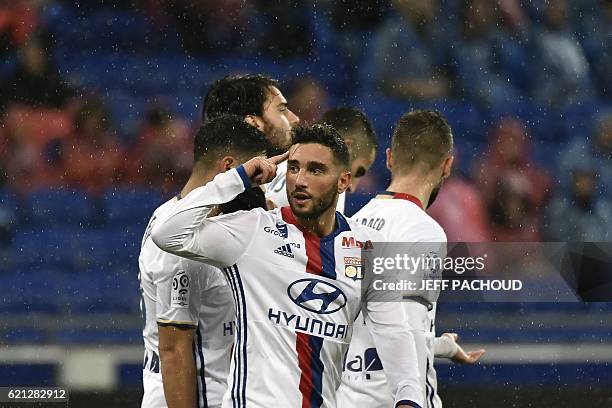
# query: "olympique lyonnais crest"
[[353, 267]]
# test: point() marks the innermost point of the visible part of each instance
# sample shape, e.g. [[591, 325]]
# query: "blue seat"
[[47, 247], [8, 64], [579, 120], [92, 336], [600, 307], [9, 201], [9, 298], [282, 70], [28, 292], [384, 113], [186, 105], [98, 291], [104, 31], [541, 121], [128, 110], [465, 118], [24, 335], [59, 207], [128, 206]]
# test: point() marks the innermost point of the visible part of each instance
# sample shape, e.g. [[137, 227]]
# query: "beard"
[[434, 194], [279, 140], [319, 205]]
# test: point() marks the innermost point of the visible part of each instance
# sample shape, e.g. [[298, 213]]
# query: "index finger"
[[279, 158]]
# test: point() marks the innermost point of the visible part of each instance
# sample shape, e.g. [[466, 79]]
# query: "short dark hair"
[[240, 95], [327, 136], [227, 134], [354, 124], [421, 136], [247, 200]]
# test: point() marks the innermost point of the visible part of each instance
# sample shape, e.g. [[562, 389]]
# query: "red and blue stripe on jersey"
[[321, 261]]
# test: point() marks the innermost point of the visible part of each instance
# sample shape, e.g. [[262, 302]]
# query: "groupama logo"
[[316, 296]]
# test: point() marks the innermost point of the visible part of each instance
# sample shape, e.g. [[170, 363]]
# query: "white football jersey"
[[181, 292], [363, 382], [295, 302], [276, 190]]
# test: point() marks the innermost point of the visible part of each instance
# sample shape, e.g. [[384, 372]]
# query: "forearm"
[[177, 233], [445, 347], [395, 344], [179, 378]]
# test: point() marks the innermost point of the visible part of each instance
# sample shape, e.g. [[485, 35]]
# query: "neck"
[[322, 225], [415, 185], [198, 178]]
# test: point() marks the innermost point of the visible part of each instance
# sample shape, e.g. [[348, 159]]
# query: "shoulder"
[[428, 229], [364, 232], [162, 209], [158, 264], [242, 215], [199, 272]]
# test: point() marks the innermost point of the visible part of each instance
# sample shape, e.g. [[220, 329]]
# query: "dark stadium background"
[[98, 100]]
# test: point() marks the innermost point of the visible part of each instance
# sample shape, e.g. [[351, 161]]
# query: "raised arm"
[[186, 231]]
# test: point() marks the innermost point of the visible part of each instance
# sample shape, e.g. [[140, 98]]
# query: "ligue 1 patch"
[[353, 267], [180, 290]]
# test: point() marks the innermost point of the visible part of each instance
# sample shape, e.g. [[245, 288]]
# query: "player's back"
[[185, 293], [364, 382], [295, 310], [153, 264]]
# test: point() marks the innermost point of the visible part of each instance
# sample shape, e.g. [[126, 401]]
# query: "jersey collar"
[[404, 196], [341, 223]]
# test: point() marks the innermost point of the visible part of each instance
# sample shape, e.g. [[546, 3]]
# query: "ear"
[[255, 121], [447, 166], [344, 181], [227, 163], [389, 155]]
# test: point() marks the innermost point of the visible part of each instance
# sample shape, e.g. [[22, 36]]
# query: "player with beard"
[[420, 159], [295, 304], [258, 99], [360, 138], [362, 143]]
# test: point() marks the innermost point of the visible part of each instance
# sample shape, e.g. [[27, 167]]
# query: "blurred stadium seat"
[[59, 206], [128, 206]]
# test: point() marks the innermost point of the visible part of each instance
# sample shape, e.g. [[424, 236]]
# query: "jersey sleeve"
[[394, 341], [427, 247], [220, 241], [178, 298], [444, 347], [395, 345]]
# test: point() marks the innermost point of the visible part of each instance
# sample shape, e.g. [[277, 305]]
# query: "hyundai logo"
[[316, 296]]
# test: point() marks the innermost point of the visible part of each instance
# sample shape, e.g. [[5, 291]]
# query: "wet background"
[[99, 101]]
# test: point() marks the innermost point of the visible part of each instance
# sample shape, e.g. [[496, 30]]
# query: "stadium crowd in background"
[[57, 133]]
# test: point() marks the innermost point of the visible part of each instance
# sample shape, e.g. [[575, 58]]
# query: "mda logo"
[[316, 296]]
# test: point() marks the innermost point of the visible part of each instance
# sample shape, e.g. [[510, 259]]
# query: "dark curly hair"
[[240, 95], [327, 136]]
